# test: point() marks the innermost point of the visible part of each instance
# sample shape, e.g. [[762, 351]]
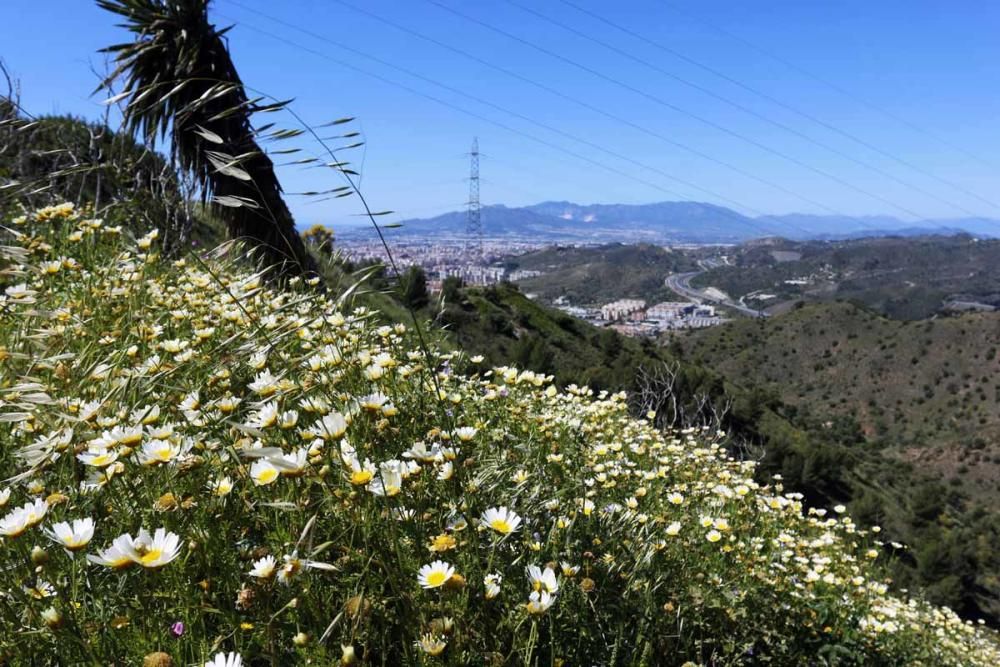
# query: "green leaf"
[[208, 135], [116, 98], [232, 201], [339, 121], [285, 134]]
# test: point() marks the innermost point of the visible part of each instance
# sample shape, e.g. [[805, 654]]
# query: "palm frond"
[[183, 84]]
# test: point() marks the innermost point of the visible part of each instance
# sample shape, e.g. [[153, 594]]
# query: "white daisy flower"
[[264, 568], [118, 556], [98, 457], [543, 580], [73, 536], [222, 486], [331, 426], [539, 602], [492, 585], [435, 574], [225, 660], [158, 550], [23, 518], [263, 472], [501, 519]]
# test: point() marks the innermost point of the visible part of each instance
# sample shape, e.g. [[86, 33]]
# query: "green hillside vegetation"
[[594, 275], [205, 464], [919, 396], [907, 384], [510, 328], [824, 456], [904, 278], [62, 158]]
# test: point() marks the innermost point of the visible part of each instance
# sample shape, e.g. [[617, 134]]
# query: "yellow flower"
[[442, 542], [432, 645]]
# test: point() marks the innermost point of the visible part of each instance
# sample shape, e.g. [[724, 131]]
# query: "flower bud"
[[52, 618], [39, 556], [158, 659]]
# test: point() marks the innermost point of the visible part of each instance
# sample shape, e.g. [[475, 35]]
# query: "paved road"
[[681, 283]]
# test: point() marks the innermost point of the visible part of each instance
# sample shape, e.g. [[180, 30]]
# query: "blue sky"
[[613, 127]]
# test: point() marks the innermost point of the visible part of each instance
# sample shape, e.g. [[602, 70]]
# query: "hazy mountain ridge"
[[672, 221]]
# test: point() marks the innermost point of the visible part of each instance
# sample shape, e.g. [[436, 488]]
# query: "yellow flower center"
[[501, 526], [121, 562], [267, 475], [442, 543], [436, 578], [361, 477], [151, 556]]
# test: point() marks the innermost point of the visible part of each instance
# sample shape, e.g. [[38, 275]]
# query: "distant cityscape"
[[633, 317], [445, 258]]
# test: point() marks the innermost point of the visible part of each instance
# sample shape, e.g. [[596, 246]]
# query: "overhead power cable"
[[516, 114], [745, 109], [581, 103], [743, 220], [829, 84], [669, 105]]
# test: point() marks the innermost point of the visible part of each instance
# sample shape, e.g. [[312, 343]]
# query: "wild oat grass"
[[200, 469]]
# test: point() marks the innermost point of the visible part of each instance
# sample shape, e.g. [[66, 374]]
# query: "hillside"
[[826, 457], [268, 474], [905, 278], [593, 275], [912, 396], [931, 388]]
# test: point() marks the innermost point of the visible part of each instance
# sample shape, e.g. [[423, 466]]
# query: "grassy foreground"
[[197, 464]]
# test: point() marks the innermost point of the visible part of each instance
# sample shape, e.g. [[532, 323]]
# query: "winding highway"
[[681, 283]]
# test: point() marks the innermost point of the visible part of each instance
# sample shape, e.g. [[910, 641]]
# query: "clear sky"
[[871, 107]]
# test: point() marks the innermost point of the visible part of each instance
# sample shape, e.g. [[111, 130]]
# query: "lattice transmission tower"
[[474, 220]]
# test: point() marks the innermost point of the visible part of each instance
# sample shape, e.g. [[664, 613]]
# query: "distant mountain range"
[[669, 222]]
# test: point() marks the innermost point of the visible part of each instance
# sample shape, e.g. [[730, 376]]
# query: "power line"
[[555, 92], [743, 220], [581, 103], [829, 84], [516, 114], [783, 126], [669, 105]]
